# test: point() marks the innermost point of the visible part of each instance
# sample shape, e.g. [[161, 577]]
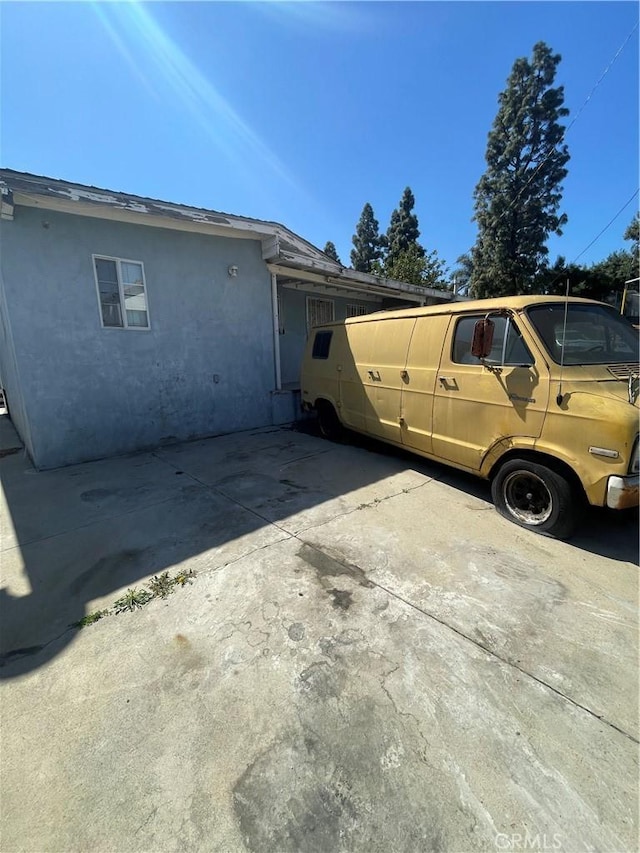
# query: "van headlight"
[[634, 467]]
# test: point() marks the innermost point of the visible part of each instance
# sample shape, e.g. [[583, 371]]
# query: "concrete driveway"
[[369, 658]]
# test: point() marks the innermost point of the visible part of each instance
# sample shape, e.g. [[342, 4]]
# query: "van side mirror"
[[482, 338]]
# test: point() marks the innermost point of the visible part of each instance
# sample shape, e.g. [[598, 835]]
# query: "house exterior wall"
[[9, 377], [293, 322], [204, 367]]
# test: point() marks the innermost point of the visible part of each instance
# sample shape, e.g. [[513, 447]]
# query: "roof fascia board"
[[350, 283], [271, 232], [120, 214], [339, 271]]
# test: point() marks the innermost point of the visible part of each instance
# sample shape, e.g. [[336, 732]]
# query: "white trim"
[[120, 214], [276, 331], [355, 281], [175, 217], [125, 326]]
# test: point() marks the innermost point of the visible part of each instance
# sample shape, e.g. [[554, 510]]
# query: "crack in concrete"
[[18, 653], [418, 609], [362, 506]]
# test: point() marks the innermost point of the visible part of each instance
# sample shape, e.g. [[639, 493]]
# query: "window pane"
[[464, 336], [515, 351], [131, 273], [137, 318], [321, 344], [320, 312], [134, 298], [106, 271], [110, 303], [111, 314], [354, 310]]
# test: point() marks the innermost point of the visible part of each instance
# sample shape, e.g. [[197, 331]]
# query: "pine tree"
[[403, 230], [330, 250], [517, 198], [367, 242]]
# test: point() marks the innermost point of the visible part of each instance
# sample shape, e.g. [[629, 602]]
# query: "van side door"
[[352, 358], [382, 376], [476, 404], [423, 361]]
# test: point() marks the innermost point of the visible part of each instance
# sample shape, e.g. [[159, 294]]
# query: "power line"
[[597, 237], [570, 125], [601, 78]]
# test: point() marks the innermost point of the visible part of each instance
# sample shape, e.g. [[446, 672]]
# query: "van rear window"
[[321, 344]]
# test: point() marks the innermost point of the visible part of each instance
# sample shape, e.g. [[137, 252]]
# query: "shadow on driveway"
[[75, 538]]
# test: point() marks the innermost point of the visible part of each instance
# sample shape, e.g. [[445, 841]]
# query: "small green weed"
[[184, 577], [90, 618], [161, 585], [133, 599]]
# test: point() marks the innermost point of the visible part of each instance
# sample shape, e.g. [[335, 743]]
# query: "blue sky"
[[302, 112]]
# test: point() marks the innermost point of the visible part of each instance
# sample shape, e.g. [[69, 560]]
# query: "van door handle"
[[448, 382]]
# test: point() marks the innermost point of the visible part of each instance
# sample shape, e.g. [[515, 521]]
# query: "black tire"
[[536, 498], [328, 421]]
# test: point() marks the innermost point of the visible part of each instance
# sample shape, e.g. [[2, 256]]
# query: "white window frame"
[[123, 310], [311, 299], [354, 310]]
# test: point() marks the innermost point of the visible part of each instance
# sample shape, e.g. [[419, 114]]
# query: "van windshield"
[[595, 334]]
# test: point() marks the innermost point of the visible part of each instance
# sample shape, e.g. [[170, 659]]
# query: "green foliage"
[[133, 599], [518, 197], [403, 231], [462, 274], [330, 250], [368, 245], [161, 585], [415, 266], [633, 233], [90, 618], [603, 280], [184, 577]]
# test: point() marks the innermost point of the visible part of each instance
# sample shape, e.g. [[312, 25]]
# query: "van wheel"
[[535, 497], [328, 421]]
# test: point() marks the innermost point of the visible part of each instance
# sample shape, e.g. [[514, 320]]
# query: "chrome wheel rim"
[[527, 497]]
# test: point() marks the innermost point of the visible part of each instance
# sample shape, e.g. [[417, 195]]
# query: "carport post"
[[276, 330]]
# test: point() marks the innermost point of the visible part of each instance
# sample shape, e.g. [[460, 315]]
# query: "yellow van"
[[537, 394]]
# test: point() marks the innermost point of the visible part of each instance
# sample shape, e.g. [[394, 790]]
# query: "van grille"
[[624, 371]]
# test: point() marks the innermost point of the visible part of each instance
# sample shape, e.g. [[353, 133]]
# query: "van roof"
[[473, 306]]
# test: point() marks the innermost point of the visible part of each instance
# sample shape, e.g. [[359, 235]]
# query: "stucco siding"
[[204, 367], [9, 376]]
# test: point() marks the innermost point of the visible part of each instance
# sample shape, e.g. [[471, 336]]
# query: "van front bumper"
[[622, 492]]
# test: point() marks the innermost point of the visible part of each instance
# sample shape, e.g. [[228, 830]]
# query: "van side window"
[[321, 344], [508, 347]]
